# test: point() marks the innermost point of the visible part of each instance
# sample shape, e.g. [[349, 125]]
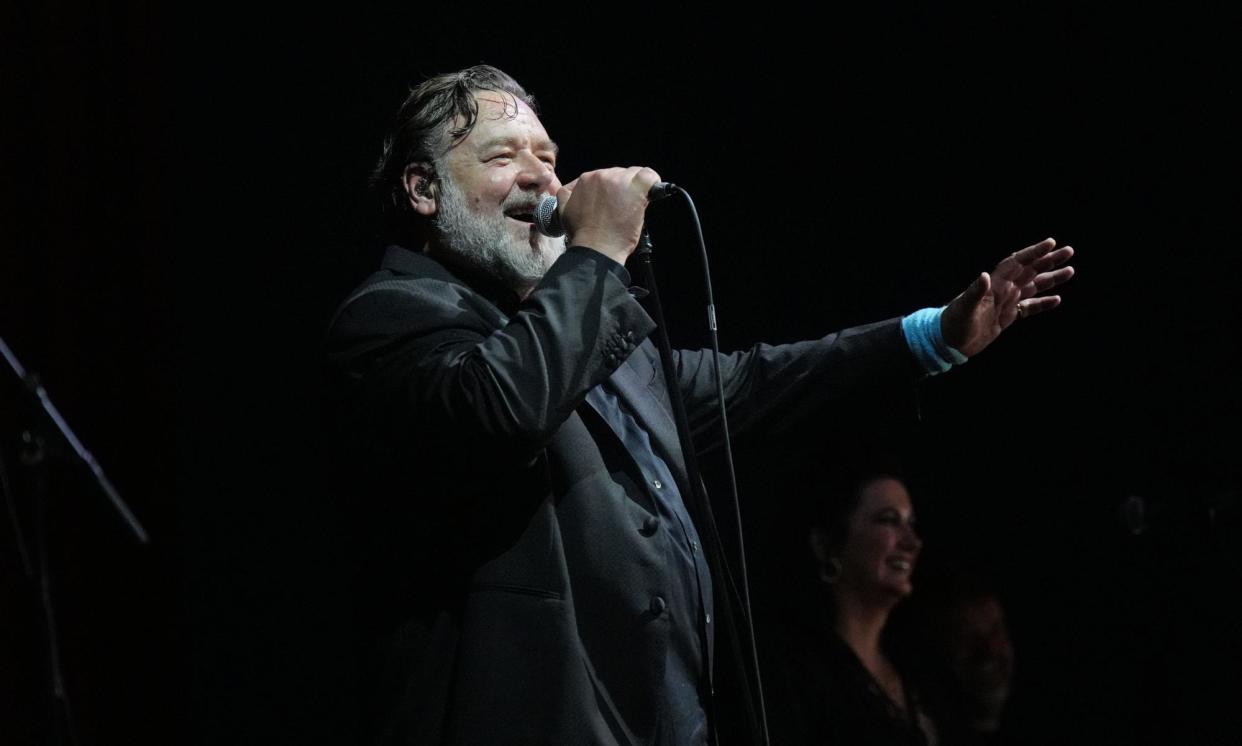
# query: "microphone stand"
[[34, 454], [38, 394], [643, 253]]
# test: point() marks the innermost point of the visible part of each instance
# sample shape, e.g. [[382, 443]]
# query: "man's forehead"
[[502, 104], [502, 117], [498, 107]]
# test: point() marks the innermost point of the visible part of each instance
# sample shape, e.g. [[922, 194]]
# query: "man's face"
[[981, 652], [490, 184]]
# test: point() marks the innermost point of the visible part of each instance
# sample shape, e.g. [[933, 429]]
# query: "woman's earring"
[[830, 572]]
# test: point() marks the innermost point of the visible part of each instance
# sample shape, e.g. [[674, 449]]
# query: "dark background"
[[185, 204]]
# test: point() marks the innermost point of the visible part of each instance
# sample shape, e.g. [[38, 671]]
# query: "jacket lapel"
[[634, 387]]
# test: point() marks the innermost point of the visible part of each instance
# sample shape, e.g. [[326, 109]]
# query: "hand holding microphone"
[[602, 210]]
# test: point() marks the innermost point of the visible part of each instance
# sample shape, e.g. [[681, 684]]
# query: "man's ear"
[[422, 188]]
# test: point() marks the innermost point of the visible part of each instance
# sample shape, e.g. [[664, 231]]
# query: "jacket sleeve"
[[774, 386], [429, 355]]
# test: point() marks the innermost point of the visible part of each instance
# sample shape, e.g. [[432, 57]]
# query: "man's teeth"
[[899, 564]]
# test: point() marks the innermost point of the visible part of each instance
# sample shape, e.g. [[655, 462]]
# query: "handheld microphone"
[[548, 217]]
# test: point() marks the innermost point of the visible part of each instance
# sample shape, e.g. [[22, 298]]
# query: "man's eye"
[[499, 157]]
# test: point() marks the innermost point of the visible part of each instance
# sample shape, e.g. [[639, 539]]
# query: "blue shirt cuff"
[[922, 332]]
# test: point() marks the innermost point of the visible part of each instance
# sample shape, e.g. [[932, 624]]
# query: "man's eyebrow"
[[509, 140]]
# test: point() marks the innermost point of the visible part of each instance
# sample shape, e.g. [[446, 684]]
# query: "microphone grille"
[[547, 219]]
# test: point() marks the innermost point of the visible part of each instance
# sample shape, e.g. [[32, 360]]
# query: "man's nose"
[[536, 174]]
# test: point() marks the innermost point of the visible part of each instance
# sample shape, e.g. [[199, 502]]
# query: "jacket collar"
[[402, 261]]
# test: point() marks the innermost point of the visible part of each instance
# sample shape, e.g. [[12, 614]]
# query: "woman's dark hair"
[[423, 130]]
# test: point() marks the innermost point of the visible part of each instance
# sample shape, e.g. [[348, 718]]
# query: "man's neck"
[[505, 297]]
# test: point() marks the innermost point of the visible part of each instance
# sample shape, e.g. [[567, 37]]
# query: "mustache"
[[520, 200]]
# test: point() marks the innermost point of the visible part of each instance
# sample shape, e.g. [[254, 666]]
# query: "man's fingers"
[[604, 208], [1022, 266], [1032, 306], [644, 178], [1053, 259], [1035, 251], [1048, 280], [977, 289], [638, 178]]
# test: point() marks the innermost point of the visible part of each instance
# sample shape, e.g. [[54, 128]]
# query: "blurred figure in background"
[[972, 658]]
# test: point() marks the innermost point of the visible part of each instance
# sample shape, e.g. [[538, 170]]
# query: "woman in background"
[[840, 682]]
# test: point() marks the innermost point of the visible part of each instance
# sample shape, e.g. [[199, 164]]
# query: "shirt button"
[[658, 605], [709, 618], [629, 336], [612, 359], [656, 483], [694, 546], [649, 526]]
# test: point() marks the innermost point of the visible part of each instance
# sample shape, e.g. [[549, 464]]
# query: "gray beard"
[[483, 242]]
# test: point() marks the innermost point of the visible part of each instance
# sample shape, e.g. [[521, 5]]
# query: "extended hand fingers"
[[1047, 280], [1024, 267], [1026, 273], [1034, 251], [1032, 306], [1053, 259]]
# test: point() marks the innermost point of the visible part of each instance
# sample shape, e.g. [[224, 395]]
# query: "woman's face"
[[881, 546]]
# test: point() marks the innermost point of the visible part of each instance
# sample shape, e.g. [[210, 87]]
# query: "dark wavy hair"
[[423, 130]]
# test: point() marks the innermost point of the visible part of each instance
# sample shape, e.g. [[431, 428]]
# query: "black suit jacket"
[[509, 568]]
